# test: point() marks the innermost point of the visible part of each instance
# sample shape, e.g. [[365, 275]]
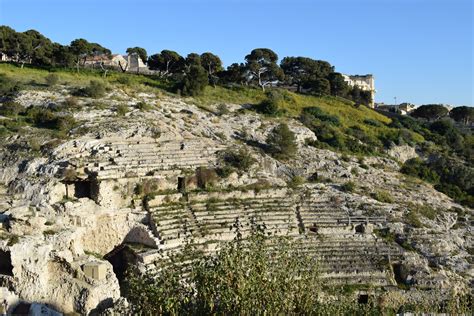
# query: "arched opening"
[[360, 229], [121, 258], [6, 267], [181, 184], [22, 309], [363, 299]]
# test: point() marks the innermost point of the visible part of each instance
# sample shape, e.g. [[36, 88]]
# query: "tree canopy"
[[430, 111], [463, 114], [142, 53], [262, 67], [167, 62]]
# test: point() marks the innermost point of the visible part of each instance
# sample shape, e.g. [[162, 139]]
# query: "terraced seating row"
[[324, 214], [117, 159], [352, 259], [217, 218]]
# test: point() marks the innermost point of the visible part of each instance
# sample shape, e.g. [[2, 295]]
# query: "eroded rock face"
[[127, 178], [402, 153]]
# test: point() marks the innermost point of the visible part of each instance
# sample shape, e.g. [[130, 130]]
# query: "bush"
[[222, 109], [243, 277], [124, 80], [382, 196], [239, 159], [95, 89], [281, 142], [417, 168], [195, 81], [52, 79], [271, 105], [296, 182], [121, 109], [47, 119], [372, 122], [71, 103], [348, 187], [10, 108], [143, 106], [309, 114], [8, 87]]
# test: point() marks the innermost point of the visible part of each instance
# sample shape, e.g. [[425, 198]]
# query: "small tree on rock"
[[282, 142]]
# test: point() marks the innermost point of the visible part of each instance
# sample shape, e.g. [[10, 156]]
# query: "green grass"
[[354, 122]]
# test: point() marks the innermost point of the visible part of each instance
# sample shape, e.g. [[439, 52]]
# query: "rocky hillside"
[[91, 185]]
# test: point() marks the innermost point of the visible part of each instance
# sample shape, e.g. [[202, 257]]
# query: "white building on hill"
[[364, 82]]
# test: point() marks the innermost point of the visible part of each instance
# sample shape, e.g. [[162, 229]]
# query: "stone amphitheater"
[[74, 217]]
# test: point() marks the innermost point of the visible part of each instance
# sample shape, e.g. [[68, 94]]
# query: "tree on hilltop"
[[213, 64], [301, 71], [167, 62], [142, 53], [464, 114], [339, 86], [430, 111], [262, 66]]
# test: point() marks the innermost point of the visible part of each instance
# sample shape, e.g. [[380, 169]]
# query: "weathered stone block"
[[95, 270]]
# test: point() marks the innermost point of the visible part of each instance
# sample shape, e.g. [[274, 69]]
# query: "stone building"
[[402, 108], [364, 82], [129, 63]]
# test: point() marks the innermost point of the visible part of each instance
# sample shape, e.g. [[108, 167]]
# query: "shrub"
[[95, 89], [239, 159], [382, 196], [121, 109], [195, 81], [295, 182], [244, 276], [143, 106], [312, 113], [222, 109], [348, 187], [71, 103], [372, 122], [124, 80], [47, 119], [416, 167], [271, 105], [10, 108], [8, 87], [52, 79], [281, 142]]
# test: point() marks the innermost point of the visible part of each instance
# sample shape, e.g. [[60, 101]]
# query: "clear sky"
[[420, 51]]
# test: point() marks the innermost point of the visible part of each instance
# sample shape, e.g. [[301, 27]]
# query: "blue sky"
[[419, 50]]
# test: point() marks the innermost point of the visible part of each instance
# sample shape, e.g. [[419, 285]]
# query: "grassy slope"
[[294, 103]]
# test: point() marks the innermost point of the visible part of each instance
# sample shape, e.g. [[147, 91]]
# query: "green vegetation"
[[121, 109], [244, 278], [382, 196], [194, 82], [95, 89], [252, 277], [281, 142], [235, 160], [52, 79], [10, 109], [46, 119], [296, 182], [348, 186]]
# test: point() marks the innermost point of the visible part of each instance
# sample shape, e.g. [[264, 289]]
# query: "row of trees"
[[431, 112], [192, 72]]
